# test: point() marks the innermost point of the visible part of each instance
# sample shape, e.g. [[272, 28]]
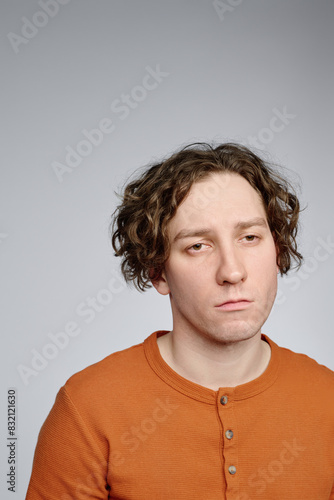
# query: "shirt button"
[[232, 470], [223, 400], [229, 434]]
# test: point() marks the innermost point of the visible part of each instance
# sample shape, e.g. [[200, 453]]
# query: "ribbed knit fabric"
[[130, 428]]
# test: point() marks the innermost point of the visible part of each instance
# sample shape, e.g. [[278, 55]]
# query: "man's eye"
[[197, 246], [250, 237]]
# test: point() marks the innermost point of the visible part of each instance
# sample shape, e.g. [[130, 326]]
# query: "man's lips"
[[234, 305]]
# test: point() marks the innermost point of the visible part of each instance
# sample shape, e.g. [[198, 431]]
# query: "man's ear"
[[159, 282]]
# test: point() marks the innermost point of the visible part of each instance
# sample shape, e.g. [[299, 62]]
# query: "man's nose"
[[230, 265]]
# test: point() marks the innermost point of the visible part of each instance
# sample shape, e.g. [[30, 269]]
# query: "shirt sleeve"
[[68, 464]]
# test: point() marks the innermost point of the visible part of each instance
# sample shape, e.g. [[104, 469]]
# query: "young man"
[[213, 409]]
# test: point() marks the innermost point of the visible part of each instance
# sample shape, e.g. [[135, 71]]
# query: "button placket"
[[226, 411]]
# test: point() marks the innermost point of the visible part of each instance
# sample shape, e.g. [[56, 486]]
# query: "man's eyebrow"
[[185, 233], [257, 221]]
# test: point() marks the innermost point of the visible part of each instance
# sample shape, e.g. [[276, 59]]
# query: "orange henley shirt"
[[130, 428]]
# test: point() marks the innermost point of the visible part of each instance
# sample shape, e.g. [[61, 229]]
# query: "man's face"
[[221, 273]]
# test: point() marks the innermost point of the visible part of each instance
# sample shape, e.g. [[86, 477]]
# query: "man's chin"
[[233, 335]]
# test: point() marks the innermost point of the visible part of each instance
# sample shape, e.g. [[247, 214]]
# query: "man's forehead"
[[229, 193], [210, 186]]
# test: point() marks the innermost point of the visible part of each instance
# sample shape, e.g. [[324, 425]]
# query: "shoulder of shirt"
[[304, 364], [114, 370]]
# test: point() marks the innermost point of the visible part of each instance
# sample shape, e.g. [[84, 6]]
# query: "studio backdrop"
[[93, 90]]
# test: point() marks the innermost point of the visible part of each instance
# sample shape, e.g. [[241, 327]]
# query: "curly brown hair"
[[139, 228]]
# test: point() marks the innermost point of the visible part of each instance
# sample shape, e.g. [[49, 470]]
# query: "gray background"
[[228, 71]]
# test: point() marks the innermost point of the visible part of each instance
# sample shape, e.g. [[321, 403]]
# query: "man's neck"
[[217, 365]]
